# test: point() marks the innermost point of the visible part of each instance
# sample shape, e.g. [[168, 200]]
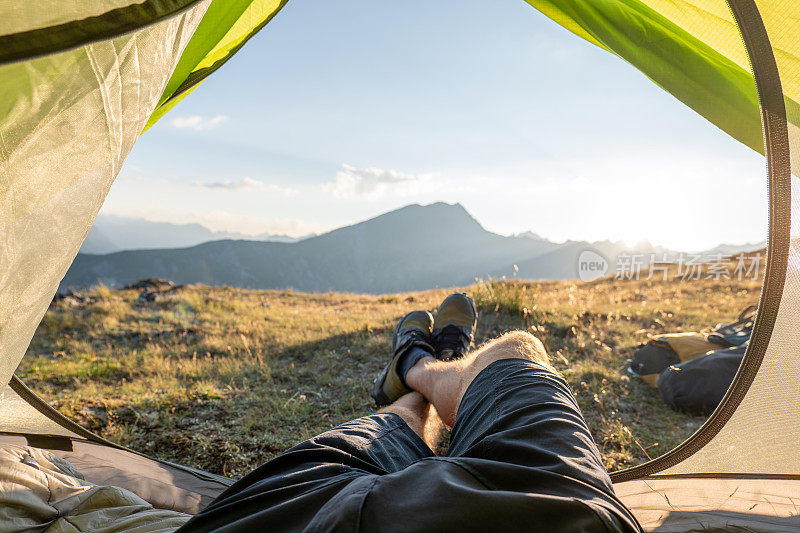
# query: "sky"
[[339, 111]]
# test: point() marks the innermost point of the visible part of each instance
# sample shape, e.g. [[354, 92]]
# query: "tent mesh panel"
[[762, 435], [67, 122]]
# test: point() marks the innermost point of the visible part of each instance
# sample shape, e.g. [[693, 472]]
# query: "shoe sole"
[[378, 395]]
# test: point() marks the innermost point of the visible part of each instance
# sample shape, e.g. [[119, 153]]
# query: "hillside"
[[224, 379], [413, 248]]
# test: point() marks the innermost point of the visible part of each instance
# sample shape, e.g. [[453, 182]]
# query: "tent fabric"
[[67, 122], [681, 504], [770, 319], [761, 435], [67, 27], [69, 119], [18, 416], [19, 17]]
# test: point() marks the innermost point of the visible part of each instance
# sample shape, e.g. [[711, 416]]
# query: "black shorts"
[[520, 459]]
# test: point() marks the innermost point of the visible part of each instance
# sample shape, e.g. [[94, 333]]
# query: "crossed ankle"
[[440, 382], [408, 360], [417, 376], [443, 383]]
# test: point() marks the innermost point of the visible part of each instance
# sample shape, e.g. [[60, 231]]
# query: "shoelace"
[[452, 338], [415, 337]]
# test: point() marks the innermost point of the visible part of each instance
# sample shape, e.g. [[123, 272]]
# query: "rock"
[[153, 289], [151, 283], [148, 295], [71, 299]]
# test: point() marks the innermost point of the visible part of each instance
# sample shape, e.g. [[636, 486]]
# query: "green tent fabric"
[[81, 81], [225, 28]]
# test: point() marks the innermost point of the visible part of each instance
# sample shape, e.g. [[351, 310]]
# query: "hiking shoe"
[[410, 343], [454, 326]]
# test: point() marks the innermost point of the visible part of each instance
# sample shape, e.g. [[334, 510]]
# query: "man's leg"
[[326, 477], [520, 458], [444, 383], [420, 416]]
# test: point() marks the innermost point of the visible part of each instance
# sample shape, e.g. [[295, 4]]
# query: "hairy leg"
[[443, 384], [420, 416]]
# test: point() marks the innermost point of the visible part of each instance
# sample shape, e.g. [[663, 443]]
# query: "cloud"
[[246, 184], [220, 220], [198, 122], [351, 182], [140, 179], [231, 185]]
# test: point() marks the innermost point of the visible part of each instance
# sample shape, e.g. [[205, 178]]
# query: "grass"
[[225, 379]]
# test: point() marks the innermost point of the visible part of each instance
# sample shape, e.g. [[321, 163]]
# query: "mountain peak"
[[439, 216], [454, 211], [529, 235]]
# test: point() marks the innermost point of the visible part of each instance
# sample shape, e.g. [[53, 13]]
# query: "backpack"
[[697, 386], [663, 351]]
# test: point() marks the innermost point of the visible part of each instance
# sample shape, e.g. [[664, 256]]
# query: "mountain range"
[[111, 233], [413, 248]]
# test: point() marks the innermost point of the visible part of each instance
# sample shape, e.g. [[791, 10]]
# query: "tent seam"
[[77, 33]]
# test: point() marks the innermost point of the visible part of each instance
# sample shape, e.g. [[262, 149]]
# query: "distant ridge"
[[111, 233], [416, 247]]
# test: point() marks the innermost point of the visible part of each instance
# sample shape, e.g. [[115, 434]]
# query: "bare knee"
[[412, 408], [515, 345], [419, 415]]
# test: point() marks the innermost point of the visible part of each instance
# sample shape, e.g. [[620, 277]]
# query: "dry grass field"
[[224, 379]]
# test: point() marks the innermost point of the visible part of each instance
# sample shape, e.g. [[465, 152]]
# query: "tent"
[[80, 81]]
